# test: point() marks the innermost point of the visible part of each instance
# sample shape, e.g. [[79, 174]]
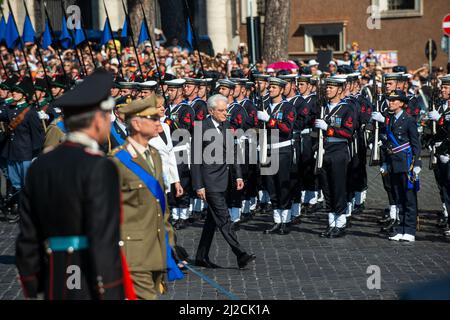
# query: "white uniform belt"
[[306, 131], [280, 145], [183, 147]]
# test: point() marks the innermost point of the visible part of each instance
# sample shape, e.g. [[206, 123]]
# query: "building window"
[[324, 37], [399, 8]]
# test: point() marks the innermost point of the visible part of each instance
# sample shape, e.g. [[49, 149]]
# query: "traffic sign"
[[431, 44], [446, 25]]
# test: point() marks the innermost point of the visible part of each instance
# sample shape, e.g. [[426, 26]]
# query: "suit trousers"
[[217, 216], [387, 184], [406, 201]]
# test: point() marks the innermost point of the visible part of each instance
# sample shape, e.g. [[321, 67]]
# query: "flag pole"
[[80, 60], [53, 37], [127, 18], [40, 57], [153, 51], [114, 41]]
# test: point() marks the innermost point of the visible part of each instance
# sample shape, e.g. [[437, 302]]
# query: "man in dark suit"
[[211, 182], [68, 247]]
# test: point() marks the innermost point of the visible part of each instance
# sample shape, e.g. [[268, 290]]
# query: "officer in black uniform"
[[70, 207], [337, 128], [180, 115], [279, 117], [402, 159]]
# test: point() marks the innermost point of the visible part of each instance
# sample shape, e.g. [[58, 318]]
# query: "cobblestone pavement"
[[302, 265]]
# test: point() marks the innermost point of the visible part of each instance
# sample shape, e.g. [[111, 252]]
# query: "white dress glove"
[[444, 158], [263, 116], [383, 168], [434, 115], [321, 124], [447, 117], [416, 171], [377, 116], [43, 115]]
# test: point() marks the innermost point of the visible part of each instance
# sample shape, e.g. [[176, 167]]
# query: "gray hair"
[[213, 100]]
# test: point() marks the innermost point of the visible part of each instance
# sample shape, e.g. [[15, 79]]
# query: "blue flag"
[[124, 34], [2, 28], [12, 34], [46, 36], [189, 34], [28, 34], [106, 34], [143, 35], [79, 34], [65, 38]]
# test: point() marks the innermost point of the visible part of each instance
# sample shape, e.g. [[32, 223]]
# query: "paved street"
[[302, 265]]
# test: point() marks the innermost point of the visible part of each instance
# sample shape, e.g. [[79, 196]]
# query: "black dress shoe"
[[284, 229], [273, 229], [384, 220], [337, 232], [245, 259], [326, 233], [205, 263], [235, 226], [358, 209], [348, 224], [296, 220], [390, 225], [442, 222], [181, 224], [268, 209], [13, 218]]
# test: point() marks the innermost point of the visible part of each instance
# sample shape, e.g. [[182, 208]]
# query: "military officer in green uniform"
[[146, 231]]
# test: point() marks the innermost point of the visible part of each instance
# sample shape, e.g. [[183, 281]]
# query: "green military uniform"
[[54, 135], [144, 224]]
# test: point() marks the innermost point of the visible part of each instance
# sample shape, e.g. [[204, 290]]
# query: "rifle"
[[375, 152], [320, 151], [434, 99]]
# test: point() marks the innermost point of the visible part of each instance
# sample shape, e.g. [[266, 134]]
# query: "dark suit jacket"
[[213, 177]]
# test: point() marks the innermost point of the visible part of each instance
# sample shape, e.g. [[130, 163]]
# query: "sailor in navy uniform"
[[180, 115], [337, 127], [147, 88], [24, 140], [70, 207], [279, 118], [191, 90], [292, 96], [249, 143], [237, 116], [191, 94], [442, 143], [365, 112], [261, 100], [402, 160]]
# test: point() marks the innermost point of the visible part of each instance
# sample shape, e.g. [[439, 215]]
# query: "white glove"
[[447, 117], [321, 124], [416, 171], [434, 115], [383, 168], [377, 116], [43, 115], [263, 116], [444, 158]]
